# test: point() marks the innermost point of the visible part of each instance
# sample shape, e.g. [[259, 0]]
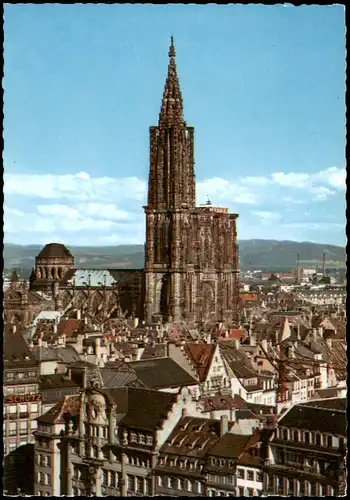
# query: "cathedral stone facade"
[[191, 253], [191, 264]]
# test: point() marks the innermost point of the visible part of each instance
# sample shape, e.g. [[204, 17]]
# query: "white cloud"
[[105, 210], [267, 218], [294, 180], [335, 177], [222, 191], [56, 210], [75, 187]]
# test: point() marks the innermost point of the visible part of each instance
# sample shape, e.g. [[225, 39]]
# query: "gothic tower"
[[191, 253]]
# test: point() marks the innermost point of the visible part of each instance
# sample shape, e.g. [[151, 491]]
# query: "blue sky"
[[264, 87]]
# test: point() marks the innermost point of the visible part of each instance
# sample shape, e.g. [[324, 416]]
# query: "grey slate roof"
[[162, 373], [310, 417]]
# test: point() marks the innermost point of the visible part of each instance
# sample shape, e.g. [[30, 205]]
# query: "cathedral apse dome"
[[53, 262]]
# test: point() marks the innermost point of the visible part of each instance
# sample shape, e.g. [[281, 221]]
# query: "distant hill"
[[265, 254]]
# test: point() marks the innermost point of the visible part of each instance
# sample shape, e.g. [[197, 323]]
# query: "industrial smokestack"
[[298, 269], [324, 264]]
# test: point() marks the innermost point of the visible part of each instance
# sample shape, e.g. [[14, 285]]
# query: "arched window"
[[52, 272]]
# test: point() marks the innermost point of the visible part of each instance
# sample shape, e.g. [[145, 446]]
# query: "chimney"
[[324, 264], [184, 412], [40, 342], [223, 425], [78, 314], [298, 331], [264, 344], [69, 373], [329, 343], [252, 339], [85, 378], [14, 328], [55, 328]]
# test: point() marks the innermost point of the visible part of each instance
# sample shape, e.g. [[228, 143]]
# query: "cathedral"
[[191, 252], [191, 263]]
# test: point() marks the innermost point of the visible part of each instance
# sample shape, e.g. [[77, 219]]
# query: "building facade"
[[307, 451]]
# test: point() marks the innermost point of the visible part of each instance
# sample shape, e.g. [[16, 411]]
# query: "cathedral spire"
[[172, 105]]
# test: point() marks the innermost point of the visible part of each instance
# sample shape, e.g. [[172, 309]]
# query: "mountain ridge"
[[255, 253]]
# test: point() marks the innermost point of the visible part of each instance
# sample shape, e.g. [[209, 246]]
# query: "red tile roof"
[[69, 327], [233, 333], [201, 356], [248, 297]]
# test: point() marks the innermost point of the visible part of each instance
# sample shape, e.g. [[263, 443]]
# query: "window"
[[318, 439], [142, 439], [307, 437], [147, 485], [170, 482], [31, 374], [290, 486], [10, 390], [39, 477], [181, 484], [10, 376], [131, 483], [34, 425], [199, 487], [76, 474], [13, 428], [241, 491], [133, 437], [48, 479], [21, 390], [313, 492], [20, 375], [296, 435], [111, 479], [149, 440], [139, 484], [279, 483], [259, 476], [322, 490], [23, 427], [241, 474], [250, 492], [250, 475]]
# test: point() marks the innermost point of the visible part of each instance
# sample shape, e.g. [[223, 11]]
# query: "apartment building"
[[22, 399], [307, 451]]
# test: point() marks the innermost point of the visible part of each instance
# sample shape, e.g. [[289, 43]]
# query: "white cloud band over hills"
[[79, 209]]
